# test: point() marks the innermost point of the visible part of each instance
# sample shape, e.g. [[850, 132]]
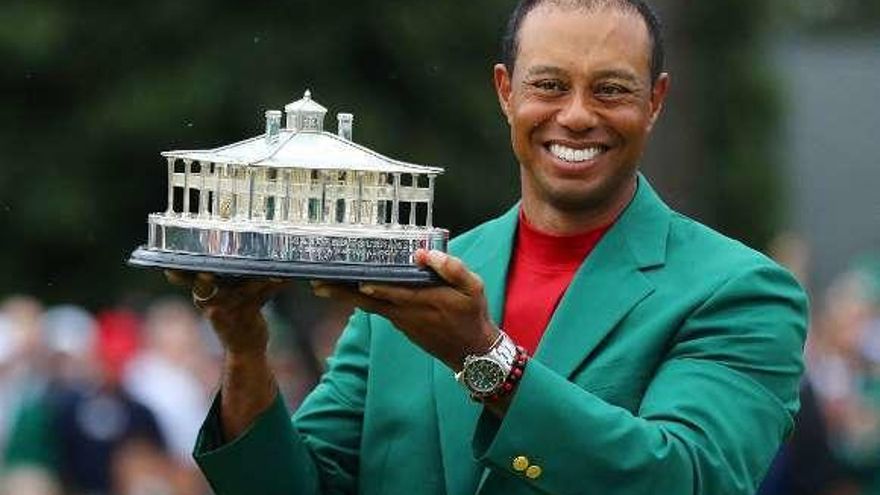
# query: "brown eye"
[[549, 86], [612, 90]]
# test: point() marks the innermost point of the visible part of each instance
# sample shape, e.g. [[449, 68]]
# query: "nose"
[[577, 113]]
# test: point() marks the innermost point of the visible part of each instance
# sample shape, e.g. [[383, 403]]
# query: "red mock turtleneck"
[[541, 268]]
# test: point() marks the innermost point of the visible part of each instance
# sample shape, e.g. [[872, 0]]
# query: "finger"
[[454, 272], [179, 278], [420, 257], [348, 294], [394, 294], [326, 289]]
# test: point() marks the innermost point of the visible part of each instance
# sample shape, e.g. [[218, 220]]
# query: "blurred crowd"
[[102, 403], [835, 448], [111, 402]]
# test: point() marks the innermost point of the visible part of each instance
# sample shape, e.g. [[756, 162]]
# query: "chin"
[[594, 196]]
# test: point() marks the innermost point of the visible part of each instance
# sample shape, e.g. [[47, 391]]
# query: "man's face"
[[580, 105]]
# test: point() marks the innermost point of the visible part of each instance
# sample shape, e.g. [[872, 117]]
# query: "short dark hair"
[[510, 40]]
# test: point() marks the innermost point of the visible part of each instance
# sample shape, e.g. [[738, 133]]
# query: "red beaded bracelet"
[[512, 379]]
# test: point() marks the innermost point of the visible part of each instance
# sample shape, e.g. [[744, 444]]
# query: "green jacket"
[[671, 366]]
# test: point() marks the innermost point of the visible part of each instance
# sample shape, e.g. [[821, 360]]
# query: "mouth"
[[576, 155]]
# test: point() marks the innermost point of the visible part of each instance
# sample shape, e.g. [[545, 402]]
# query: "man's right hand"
[[233, 307]]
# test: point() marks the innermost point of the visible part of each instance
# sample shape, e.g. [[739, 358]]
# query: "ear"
[[503, 88], [658, 97]]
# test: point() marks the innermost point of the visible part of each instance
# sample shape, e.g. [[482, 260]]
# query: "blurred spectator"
[[21, 353], [165, 377], [30, 480], [139, 468], [7, 394], [84, 417], [847, 382], [69, 335]]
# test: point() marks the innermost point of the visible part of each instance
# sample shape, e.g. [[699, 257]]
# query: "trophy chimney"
[[345, 125], [273, 126]]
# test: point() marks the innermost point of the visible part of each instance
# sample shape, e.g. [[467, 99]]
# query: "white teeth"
[[574, 155]]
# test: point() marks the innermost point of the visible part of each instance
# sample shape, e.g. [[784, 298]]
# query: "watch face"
[[483, 376]]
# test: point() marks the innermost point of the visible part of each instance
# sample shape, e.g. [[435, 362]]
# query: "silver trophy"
[[296, 201]]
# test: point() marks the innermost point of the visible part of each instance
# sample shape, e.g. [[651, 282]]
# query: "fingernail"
[[438, 256], [321, 292], [367, 289]]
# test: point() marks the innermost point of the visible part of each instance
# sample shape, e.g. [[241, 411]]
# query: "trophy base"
[[244, 267]]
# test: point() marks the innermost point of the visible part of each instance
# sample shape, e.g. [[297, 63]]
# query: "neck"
[[551, 219]]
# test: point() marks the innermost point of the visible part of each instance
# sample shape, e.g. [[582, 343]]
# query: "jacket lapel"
[[605, 288], [489, 257], [608, 285]]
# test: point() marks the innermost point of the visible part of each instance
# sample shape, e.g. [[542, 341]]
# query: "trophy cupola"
[[305, 114]]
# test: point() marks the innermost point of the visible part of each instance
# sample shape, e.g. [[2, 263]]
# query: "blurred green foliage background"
[[94, 91]]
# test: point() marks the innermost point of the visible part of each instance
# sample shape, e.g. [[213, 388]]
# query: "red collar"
[[554, 252]]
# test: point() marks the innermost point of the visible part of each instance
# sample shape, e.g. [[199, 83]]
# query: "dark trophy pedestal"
[[408, 275]]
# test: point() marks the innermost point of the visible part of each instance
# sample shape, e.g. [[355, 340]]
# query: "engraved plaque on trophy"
[[295, 202]]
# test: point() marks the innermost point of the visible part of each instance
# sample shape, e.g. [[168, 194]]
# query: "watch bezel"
[[500, 356], [480, 368]]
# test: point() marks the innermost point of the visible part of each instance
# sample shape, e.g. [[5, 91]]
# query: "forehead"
[[584, 38]]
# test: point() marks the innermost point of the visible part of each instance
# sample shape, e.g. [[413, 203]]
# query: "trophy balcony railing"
[[229, 192]]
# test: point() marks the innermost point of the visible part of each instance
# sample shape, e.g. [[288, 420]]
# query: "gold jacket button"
[[533, 472], [520, 463]]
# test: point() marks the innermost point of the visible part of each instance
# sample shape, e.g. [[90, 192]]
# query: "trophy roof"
[[303, 149]]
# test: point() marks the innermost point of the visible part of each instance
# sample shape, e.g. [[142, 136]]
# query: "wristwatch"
[[484, 374]]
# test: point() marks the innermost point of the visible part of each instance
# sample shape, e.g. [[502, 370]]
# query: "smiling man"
[[581, 95], [589, 340]]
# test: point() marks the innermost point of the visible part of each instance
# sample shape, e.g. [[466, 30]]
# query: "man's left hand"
[[448, 321]]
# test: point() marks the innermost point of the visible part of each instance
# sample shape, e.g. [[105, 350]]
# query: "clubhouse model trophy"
[[298, 202]]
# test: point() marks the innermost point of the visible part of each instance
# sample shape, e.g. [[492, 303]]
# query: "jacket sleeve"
[[711, 418], [316, 452]]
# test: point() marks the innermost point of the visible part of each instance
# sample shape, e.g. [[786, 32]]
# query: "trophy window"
[[258, 190], [194, 184], [383, 212], [314, 210], [421, 213], [240, 192], [193, 201], [404, 214], [273, 192], [226, 200], [178, 200], [271, 203], [340, 210]]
